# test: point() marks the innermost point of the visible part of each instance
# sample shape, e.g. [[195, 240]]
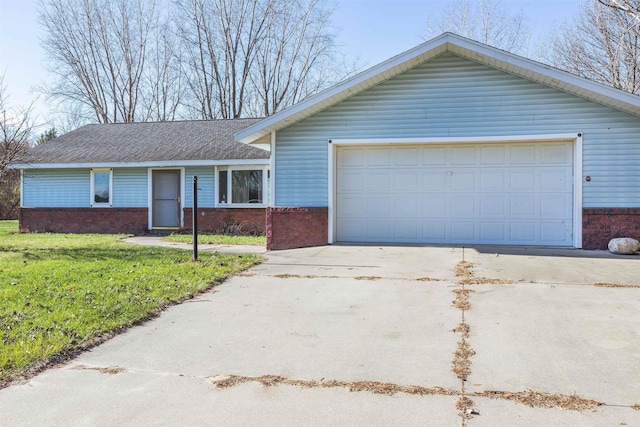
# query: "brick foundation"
[[296, 227], [213, 219], [599, 225], [83, 220]]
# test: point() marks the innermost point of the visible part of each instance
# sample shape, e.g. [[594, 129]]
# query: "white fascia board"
[[165, 164], [464, 47], [457, 139]]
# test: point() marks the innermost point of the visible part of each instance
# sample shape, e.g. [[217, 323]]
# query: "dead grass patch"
[[536, 399], [110, 370], [463, 269], [615, 285], [427, 279], [484, 281], [461, 362], [465, 406], [462, 329], [367, 277], [462, 299], [374, 387]]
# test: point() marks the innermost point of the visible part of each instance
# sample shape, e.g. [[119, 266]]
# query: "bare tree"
[[486, 21], [255, 57], [293, 59], [602, 44], [16, 127], [98, 49], [221, 38], [629, 6]]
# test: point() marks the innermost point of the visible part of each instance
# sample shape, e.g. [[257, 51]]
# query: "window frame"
[[92, 195], [230, 169]]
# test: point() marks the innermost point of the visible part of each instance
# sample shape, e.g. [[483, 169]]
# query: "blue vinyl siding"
[[450, 96], [206, 189], [130, 187], [69, 188]]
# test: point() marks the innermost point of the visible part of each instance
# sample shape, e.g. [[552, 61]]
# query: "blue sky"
[[370, 30]]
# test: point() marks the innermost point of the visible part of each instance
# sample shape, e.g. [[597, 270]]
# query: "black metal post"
[[194, 214]]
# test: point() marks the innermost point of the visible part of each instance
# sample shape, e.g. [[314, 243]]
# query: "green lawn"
[[219, 239], [60, 292]]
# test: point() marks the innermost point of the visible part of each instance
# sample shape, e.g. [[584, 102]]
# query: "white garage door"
[[520, 193]]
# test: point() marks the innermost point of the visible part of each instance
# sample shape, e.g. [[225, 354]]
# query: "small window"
[[240, 186], [222, 187], [101, 184], [247, 186]]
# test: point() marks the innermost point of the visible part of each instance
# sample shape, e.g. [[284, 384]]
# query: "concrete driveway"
[[368, 335]]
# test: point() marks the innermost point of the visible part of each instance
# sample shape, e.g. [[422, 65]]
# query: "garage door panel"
[[463, 231], [379, 231], [378, 157], [555, 206], [351, 157], [463, 181], [555, 154], [463, 156], [522, 180], [522, 232], [522, 206], [493, 206], [408, 181], [492, 155], [434, 156], [553, 232], [492, 180], [354, 206], [351, 181], [407, 231], [407, 207], [407, 157], [378, 181], [522, 154], [492, 231], [434, 231], [463, 206], [435, 206], [484, 193], [434, 181]]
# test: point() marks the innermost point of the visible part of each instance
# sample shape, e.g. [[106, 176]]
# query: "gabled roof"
[[457, 45], [150, 143]]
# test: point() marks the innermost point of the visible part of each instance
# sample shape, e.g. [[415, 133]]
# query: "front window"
[[101, 187], [240, 186]]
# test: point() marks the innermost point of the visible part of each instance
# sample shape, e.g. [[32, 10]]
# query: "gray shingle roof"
[[148, 142]]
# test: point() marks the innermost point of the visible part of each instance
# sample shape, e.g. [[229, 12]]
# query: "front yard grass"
[[219, 239], [61, 293]]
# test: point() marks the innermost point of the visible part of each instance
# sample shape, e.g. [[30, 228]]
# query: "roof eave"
[[147, 164]]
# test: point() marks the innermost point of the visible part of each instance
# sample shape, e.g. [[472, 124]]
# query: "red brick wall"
[[296, 227], [83, 220], [599, 225], [212, 219]]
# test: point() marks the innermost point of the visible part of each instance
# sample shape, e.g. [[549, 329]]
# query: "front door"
[[166, 199]]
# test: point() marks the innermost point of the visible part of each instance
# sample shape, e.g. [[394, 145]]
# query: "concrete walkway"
[[367, 335], [229, 249]]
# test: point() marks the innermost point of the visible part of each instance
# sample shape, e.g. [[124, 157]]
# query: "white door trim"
[[150, 194], [576, 138]]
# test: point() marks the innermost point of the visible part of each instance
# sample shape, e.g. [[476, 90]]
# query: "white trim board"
[[576, 138], [169, 164]]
